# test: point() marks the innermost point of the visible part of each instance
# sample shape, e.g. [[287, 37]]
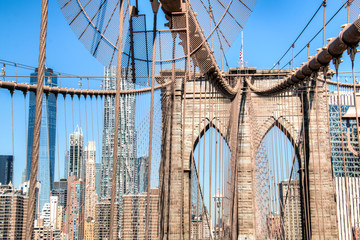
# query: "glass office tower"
[[45, 173], [6, 169]]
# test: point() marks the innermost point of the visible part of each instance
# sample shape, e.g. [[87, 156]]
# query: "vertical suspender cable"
[[86, 124], [113, 213], [26, 134], [285, 147], [311, 146], [217, 163], [155, 7], [192, 167], [80, 142], [293, 153], [72, 112], [85, 142], [336, 63], [66, 145], [217, 155], [57, 136], [305, 163], [221, 179], [97, 123], [324, 5], [37, 123], [317, 109], [12, 133], [298, 112], [204, 146], [92, 119], [199, 158], [218, 146], [352, 57], [353, 51], [210, 144], [215, 177]]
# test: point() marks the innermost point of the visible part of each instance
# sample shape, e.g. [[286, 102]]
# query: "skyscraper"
[[6, 169], [98, 179], [134, 206], [66, 163], [90, 157], [60, 190], [141, 166], [45, 215], [74, 216], [13, 208], [289, 194], [102, 219], [90, 191], [25, 189], [23, 176], [54, 202], [75, 154], [126, 182], [47, 136], [41, 232]]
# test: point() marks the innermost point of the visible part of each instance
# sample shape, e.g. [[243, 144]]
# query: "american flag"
[[241, 57], [241, 51]]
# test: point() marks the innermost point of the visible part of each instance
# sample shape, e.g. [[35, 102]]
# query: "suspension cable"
[[155, 9], [37, 125]]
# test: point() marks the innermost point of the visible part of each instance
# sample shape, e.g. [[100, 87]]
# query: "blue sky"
[[270, 30]]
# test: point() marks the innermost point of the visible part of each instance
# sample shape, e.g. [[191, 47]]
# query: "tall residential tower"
[[90, 190], [126, 183], [75, 155]]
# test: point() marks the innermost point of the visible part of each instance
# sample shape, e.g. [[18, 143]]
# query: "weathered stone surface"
[[243, 122]]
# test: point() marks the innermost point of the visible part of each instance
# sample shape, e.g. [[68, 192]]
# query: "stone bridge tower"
[[243, 121]]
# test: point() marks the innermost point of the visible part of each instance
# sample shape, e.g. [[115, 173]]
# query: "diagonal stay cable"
[[299, 34], [318, 32]]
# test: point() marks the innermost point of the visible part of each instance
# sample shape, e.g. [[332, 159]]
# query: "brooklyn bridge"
[[174, 141]]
